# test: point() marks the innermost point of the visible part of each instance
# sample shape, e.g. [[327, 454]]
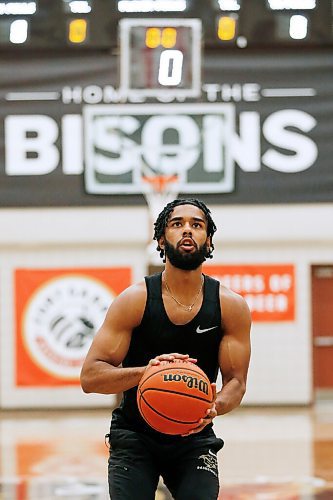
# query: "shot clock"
[[159, 56]]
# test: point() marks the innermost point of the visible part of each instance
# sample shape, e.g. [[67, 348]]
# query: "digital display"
[[161, 55], [77, 6], [156, 58], [152, 5], [229, 5], [17, 8], [291, 4]]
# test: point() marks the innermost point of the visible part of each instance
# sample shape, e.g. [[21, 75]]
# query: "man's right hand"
[[169, 358]]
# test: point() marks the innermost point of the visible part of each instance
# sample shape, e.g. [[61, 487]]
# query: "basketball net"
[[158, 191]]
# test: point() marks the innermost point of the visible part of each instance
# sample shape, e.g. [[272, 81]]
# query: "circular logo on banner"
[[60, 322]]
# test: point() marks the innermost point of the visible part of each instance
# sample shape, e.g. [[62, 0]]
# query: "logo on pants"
[[208, 462]]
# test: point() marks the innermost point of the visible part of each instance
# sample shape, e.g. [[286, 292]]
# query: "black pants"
[[188, 466]]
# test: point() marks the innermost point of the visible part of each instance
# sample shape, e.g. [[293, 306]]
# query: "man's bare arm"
[[101, 372], [234, 352]]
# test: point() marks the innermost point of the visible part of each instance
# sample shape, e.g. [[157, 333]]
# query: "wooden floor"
[[270, 454]]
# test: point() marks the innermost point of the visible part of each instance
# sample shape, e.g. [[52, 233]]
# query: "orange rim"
[[159, 182]]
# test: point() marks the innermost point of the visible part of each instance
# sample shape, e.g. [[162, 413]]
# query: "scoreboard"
[[226, 24], [157, 55]]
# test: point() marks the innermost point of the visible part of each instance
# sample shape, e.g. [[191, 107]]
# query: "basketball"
[[174, 396]]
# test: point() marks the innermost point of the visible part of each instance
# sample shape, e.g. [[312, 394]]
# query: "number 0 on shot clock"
[[159, 56]]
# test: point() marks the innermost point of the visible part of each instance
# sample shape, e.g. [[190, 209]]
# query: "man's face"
[[187, 262], [185, 241]]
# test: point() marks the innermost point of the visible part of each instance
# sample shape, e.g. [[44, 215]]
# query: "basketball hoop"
[[161, 189], [158, 191]]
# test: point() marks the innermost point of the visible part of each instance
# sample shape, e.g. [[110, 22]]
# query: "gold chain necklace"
[[187, 308]]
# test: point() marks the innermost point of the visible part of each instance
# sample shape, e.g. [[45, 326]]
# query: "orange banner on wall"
[[269, 290], [58, 312]]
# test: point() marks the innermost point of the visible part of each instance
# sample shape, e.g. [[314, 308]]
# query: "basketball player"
[[177, 314]]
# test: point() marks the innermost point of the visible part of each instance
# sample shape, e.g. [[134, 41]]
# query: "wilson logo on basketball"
[[191, 382]]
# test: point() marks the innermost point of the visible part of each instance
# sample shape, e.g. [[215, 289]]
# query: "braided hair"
[[163, 218]]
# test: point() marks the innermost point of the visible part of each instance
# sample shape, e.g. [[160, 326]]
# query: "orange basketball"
[[173, 396]]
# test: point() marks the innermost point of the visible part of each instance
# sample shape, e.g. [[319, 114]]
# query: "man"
[[177, 314]]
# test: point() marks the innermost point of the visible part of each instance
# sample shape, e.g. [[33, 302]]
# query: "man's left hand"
[[210, 414]]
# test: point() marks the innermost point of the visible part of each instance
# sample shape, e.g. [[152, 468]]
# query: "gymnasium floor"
[[270, 454]]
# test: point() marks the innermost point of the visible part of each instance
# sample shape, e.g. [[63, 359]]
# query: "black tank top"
[[200, 338]]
